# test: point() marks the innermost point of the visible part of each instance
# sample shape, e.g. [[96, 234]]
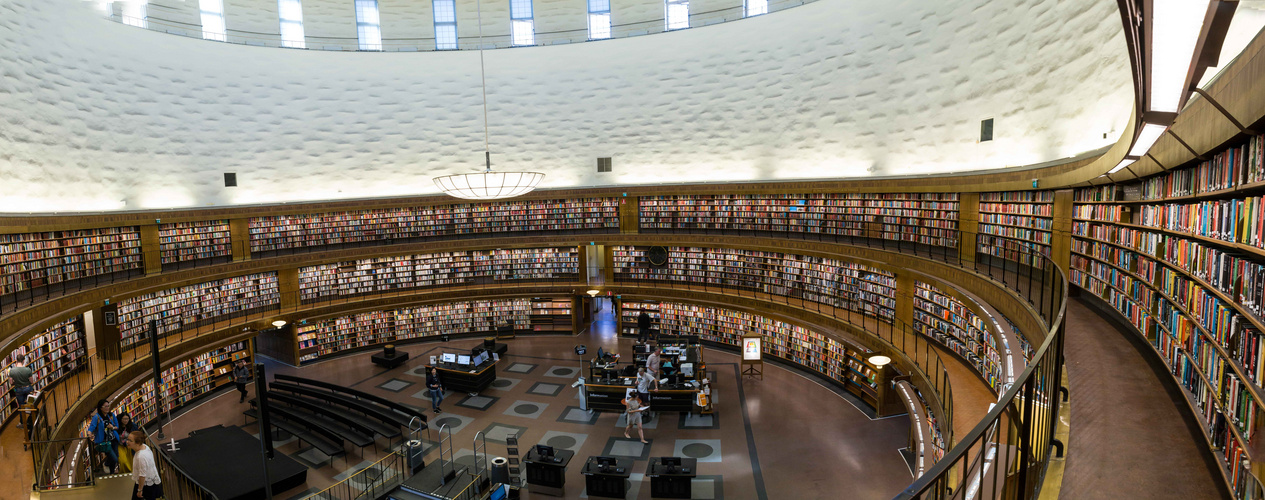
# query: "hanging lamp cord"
[[483, 82]]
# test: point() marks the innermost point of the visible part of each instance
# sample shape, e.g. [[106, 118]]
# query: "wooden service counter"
[[465, 378], [610, 397]]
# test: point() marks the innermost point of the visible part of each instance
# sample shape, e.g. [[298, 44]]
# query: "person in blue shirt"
[[104, 429]]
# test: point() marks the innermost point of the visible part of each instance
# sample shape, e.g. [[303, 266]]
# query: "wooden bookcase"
[[438, 269], [189, 306], [186, 241], [1180, 257], [1013, 225], [185, 383], [945, 319], [924, 218], [400, 225], [829, 281], [55, 354], [321, 338], [841, 363], [33, 260], [551, 315], [630, 310]]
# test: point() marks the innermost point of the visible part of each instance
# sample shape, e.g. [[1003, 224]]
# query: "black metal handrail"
[[176, 482], [1006, 454]]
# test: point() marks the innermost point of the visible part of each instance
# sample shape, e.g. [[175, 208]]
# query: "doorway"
[[604, 324]]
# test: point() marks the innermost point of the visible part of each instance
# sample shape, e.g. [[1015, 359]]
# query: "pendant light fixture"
[[488, 184]]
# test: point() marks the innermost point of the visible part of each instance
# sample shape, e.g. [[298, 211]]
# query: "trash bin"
[[500, 470], [415, 451]]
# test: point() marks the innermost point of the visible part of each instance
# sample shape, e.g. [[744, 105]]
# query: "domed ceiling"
[[99, 116]]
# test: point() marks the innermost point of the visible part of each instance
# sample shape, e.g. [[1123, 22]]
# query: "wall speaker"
[[603, 165], [230, 179]]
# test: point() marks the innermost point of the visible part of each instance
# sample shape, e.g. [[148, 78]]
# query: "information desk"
[[610, 397], [466, 379], [610, 482], [671, 481], [547, 475]]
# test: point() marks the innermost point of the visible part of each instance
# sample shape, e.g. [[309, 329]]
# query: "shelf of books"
[[342, 335], [551, 315], [630, 310], [55, 354], [1016, 225], [945, 319], [438, 269], [925, 218], [185, 241], [844, 364], [33, 260], [829, 281], [184, 383], [404, 224], [1196, 295], [193, 305]]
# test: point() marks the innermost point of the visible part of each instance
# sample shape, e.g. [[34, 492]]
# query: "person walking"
[[643, 325], [241, 377], [126, 426], [23, 378], [105, 436], [632, 412], [644, 381], [436, 387], [148, 486]]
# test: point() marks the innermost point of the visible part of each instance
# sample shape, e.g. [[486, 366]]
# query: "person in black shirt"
[[436, 387], [241, 376], [643, 324]]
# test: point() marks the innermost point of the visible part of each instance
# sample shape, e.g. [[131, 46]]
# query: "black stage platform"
[[226, 461]]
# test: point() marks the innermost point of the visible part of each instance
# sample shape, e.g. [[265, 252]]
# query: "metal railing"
[[176, 482], [1005, 456], [64, 463], [369, 483], [157, 19]]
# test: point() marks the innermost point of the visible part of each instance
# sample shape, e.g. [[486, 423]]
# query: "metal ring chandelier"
[[488, 184]]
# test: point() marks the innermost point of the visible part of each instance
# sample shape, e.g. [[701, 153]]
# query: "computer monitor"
[[687, 369], [642, 348], [544, 451], [463, 360], [600, 353], [482, 358], [606, 461], [610, 374], [449, 357], [670, 461]]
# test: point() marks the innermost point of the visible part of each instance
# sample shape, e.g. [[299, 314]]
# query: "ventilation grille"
[[986, 130], [230, 179], [603, 165]]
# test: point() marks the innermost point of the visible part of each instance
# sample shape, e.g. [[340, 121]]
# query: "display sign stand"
[[752, 355]]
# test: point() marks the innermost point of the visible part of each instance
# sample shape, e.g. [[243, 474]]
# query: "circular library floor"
[[785, 436]]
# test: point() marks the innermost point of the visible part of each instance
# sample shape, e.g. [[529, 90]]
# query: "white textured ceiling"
[[98, 116]]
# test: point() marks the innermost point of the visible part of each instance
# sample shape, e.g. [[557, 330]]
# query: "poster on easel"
[[752, 355]]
